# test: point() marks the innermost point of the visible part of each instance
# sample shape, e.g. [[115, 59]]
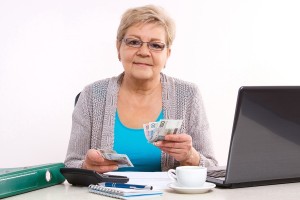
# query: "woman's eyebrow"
[[136, 36]]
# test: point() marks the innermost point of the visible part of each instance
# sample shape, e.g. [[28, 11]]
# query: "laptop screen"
[[265, 143]]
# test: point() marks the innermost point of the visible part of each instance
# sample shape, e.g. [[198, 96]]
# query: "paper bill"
[[146, 131], [151, 131], [102, 151], [156, 131], [122, 159]]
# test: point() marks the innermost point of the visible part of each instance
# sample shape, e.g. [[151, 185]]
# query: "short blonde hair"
[[147, 14]]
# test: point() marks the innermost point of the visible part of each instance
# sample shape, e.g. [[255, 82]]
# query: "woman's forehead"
[[148, 30]]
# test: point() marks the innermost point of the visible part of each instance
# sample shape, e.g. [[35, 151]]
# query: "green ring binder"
[[14, 181]]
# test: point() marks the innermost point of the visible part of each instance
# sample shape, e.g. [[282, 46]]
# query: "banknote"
[[102, 151], [152, 133], [122, 159], [156, 131]]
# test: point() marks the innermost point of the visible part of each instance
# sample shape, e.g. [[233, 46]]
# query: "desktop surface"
[[64, 191]]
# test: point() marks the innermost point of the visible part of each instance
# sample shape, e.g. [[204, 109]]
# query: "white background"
[[51, 49]]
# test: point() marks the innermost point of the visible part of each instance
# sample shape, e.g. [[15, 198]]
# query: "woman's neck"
[[141, 87]]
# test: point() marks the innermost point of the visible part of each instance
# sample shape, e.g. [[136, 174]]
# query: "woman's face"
[[143, 63]]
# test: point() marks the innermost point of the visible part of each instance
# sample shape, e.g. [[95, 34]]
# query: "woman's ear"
[[168, 55], [118, 45], [168, 52]]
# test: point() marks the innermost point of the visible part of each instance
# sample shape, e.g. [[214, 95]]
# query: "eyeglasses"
[[136, 43]]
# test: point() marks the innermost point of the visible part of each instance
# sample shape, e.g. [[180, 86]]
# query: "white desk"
[[65, 191]]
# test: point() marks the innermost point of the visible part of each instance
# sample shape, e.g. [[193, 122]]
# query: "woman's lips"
[[142, 64]]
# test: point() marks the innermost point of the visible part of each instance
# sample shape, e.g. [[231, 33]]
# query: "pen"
[[124, 185]]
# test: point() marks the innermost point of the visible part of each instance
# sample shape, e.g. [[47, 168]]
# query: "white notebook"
[[122, 193]]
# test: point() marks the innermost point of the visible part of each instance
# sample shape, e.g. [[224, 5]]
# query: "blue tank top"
[[132, 142]]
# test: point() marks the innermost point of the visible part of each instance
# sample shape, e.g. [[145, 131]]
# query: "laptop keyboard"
[[218, 173]]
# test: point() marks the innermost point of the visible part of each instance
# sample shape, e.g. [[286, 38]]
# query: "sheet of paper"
[[159, 180]]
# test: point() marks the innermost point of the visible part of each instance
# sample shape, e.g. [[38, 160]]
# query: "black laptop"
[[265, 142]]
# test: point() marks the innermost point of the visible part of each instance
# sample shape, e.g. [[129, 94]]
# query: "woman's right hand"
[[95, 161]]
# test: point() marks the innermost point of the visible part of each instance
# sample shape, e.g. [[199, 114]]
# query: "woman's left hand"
[[180, 147]]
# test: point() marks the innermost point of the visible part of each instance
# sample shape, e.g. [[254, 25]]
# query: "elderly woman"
[[110, 113]]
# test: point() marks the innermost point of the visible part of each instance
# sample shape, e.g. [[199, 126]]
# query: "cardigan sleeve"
[[80, 138], [198, 128]]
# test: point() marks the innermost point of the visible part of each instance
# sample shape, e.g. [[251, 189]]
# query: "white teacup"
[[188, 176]]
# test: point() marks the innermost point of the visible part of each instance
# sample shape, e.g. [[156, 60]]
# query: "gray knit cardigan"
[[94, 117]]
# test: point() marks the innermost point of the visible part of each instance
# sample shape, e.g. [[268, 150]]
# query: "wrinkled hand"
[[180, 147], [94, 161]]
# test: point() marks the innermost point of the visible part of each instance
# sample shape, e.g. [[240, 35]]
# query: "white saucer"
[[192, 190]]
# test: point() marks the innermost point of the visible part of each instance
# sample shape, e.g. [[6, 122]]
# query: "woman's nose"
[[144, 50]]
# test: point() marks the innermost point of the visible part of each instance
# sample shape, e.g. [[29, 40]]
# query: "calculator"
[[85, 177]]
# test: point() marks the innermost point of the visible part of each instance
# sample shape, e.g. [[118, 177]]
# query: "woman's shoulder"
[[180, 84], [102, 84]]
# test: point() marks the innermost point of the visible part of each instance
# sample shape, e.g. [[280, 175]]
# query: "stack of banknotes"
[[121, 159], [156, 131]]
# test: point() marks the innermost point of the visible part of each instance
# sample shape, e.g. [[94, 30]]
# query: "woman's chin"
[[143, 75]]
